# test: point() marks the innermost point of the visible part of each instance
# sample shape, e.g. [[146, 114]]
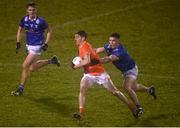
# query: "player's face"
[[113, 41], [31, 11], [78, 39]]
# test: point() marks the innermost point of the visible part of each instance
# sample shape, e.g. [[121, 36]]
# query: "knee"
[[82, 88], [134, 88], [116, 92], [84, 84], [127, 88], [32, 69], [25, 66]]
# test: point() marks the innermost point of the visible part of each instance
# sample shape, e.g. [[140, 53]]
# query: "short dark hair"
[[32, 4], [115, 35], [82, 33]]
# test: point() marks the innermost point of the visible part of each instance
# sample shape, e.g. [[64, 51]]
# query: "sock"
[[21, 87], [138, 106], [81, 110], [149, 90], [131, 105], [49, 61]]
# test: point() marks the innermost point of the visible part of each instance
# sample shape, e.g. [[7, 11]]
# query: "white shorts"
[[133, 73], [102, 79], [36, 50]]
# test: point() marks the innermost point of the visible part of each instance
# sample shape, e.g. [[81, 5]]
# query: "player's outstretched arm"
[[109, 59], [99, 50]]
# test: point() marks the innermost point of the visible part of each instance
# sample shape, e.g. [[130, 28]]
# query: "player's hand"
[[44, 47], [18, 46]]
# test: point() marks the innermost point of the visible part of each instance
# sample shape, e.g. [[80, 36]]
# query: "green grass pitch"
[[150, 31]]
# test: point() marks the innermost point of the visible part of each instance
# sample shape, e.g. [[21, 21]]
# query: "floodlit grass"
[[149, 30]]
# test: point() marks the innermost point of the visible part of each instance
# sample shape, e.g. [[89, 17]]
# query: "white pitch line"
[[108, 13], [96, 16]]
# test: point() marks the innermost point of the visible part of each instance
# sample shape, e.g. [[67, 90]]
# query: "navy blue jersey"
[[125, 61], [34, 30]]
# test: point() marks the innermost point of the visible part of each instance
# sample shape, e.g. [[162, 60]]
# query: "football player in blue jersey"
[[120, 58], [34, 27]]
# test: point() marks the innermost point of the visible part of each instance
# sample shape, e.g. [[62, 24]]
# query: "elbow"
[[88, 62], [50, 32], [96, 51]]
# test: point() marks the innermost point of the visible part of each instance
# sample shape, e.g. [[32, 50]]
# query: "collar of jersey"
[[82, 44], [32, 19]]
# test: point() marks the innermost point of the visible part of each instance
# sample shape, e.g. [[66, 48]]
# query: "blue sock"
[[49, 61], [21, 87], [138, 106]]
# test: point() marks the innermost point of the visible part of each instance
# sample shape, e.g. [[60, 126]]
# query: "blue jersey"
[[125, 61], [34, 30]]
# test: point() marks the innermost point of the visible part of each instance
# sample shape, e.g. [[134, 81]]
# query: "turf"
[[149, 30]]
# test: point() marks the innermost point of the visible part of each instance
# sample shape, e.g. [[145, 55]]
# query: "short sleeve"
[[21, 23], [119, 52], [106, 46], [44, 24]]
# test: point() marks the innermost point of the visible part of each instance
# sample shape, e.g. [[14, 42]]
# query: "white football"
[[77, 60]]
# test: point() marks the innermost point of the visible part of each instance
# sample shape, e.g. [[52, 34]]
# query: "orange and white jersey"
[[93, 69]]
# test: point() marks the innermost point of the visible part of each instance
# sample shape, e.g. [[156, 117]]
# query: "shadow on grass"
[[50, 105], [149, 121], [66, 110], [84, 123]]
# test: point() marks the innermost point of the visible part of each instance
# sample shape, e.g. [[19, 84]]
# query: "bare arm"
[[99, 50], [18, 36], [49, 34], [109, 59], [85, 61]]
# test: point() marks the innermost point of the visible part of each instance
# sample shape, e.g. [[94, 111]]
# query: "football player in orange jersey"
[[94, 73]]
